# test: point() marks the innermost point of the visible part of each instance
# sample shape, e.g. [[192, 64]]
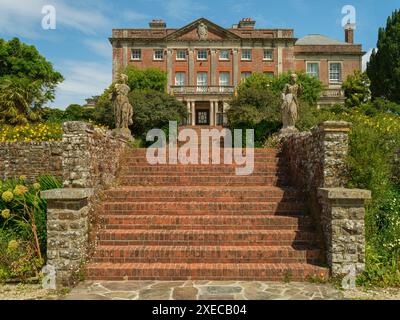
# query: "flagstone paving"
[[202, 290]]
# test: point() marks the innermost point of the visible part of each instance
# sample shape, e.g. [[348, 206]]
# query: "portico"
[[206, 112]]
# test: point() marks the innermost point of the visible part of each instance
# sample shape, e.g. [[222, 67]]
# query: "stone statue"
[[123, 110], [290, 104]]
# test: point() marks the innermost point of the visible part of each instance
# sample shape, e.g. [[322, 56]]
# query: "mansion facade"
[[205, 62]]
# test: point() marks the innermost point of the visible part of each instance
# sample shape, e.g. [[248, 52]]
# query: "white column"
[[170, 81], [189, 110], [212, 108], [193, 105]]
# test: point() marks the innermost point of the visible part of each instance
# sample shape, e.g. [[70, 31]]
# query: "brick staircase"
[[178, 222]]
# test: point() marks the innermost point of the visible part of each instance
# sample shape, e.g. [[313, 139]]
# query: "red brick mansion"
[[205, 62]]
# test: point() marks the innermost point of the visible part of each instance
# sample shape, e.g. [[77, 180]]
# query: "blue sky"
[[80, 50]]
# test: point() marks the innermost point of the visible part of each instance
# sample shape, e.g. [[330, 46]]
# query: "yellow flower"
[[22, 178], [36, 186], [19, 190], [6, 213], [13, 245], [7, 196]]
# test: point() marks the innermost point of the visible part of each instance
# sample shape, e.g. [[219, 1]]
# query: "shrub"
[[23, 226], [154, 109], [357, 89]]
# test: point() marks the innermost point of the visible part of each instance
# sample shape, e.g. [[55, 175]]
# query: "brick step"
[[211, 208], [192, 222], [206, 237], [205, 254], [142, 161], [204, 271], [257, 165], [203, 194], [257, 151], [196, 170], [202, 180]]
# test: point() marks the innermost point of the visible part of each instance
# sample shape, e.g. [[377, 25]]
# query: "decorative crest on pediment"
[[202, 31]]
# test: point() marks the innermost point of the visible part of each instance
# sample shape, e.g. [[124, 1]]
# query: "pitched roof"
[[211, 25], [318, 40]]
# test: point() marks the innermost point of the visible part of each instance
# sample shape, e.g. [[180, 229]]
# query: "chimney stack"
[[246, 23], [157, 24], [349, 33]]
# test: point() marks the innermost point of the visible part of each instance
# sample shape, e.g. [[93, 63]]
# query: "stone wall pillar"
[[317, 164], [67, 231], [342, 219], [333, 142]]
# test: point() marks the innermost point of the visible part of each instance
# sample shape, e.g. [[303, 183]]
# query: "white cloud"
[[24, 17], [83, 80], [101, 47]]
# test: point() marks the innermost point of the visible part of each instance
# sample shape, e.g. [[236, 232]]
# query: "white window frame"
[[272, 54], [334, 81], [177, 55], [202, 86], [249, 58], [181, 84], [319, 69], [137, 58], [155, 54], [198, 54], [223, 86], [228, 55]]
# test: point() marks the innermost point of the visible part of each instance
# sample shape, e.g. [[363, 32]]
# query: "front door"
[[203, 117]]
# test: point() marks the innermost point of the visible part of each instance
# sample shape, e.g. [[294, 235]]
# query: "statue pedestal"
[[287, 131], [123, 133]]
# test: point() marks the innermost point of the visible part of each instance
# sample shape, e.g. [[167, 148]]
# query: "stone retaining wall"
[[316, 164], [30, 159], [90, 155]]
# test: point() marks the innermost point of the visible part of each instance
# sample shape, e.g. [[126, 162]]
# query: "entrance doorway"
[[203, 117]]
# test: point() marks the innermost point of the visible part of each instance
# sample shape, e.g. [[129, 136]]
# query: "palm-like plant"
[[16, 99]]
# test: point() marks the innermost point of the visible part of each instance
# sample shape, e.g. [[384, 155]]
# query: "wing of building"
[[205, 62]]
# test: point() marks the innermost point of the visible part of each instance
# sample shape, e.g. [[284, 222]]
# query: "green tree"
[[103, 113], [153, 109], [256, 106], [30, 76], [357, 89], [15, 97], [148, 79], [75, 112], [312, 87], [384, 66]]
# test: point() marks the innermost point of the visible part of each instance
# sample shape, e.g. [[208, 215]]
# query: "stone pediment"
[[202, 30]]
